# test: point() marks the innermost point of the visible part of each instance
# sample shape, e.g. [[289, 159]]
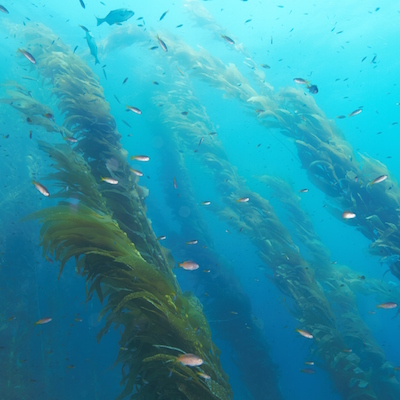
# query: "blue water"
[[324, 43]]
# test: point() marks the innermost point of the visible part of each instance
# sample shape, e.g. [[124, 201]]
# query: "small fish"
[[180, 71], [116, 98], [205, 203], [348, 215], [340, 116], [379, 179], [355, 112], [84, 28], [265, 66], [301, 81], [312, 89], [190, 242], [201, 141], [227, 39], [134, 110], [212, 133], [364, 59], [190, 360], [189, 265], [30, 134], [185, 113], [111, 181], [308, 371], [126, 123], [41, 188], [161, 238], [75, 49], [175, 184], [116, 17], [247, 21], [4, 10], [140, 158], [162, 44], [373, 60], [82, 3], [28, 55], [179, 26], [387, 306], [49, 260], [78, 319], [303, 191], [155, 83], [164, 14], [153, 48], [136, 172], [43, 321], [125, 80], [305, 333], [49, 116], [309, 362], [203, 375], [243, 200]]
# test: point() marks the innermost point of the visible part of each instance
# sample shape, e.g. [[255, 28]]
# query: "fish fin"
[[100, 21]]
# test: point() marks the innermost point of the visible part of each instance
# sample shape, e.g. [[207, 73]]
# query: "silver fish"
[[116, 17]]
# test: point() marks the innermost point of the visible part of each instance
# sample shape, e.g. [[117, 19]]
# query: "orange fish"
[[348, 215], [387, 306], [41, 188], [189, 265], [43, 321], [305, 333], [190, 360]]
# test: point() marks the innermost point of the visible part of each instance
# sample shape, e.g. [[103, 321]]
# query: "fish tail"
[[100, 21]]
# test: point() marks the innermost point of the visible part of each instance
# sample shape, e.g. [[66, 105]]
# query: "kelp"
[[128, 270], [340, 285]]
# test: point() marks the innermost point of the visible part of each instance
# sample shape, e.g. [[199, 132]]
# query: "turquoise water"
[[350, 52]]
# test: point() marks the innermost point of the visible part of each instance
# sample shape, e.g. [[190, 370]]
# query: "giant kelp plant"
[[114, 247]]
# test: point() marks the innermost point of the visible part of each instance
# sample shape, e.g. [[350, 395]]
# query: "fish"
[[348, 215], [4, 10], [153, 48], [201, 141], [304, 333], [111, 181], [308, 371], [379, 179], [82, 3], [70, 139], [134, 110], [203, 375], [265, 66], [190, 360], [188, 265], [387, 306], [162, 44], [92, 46], [303, 191], [228, 39], [161, 238], [373, 60], [164, 14], [243, 200], [190, 242], [179, 26], [43, 321], [312, 89], [136, 172], [205, 203], [309, 362], [301, 81], [247, 21], [185, 113], [155, 83], [41, 188], [126, 123], [28, 55], [340, 116], [116, 98], [175, 184], [75, 49], [84, 28], [125, 80], [140, 158], [116, 16], [355, 112]]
